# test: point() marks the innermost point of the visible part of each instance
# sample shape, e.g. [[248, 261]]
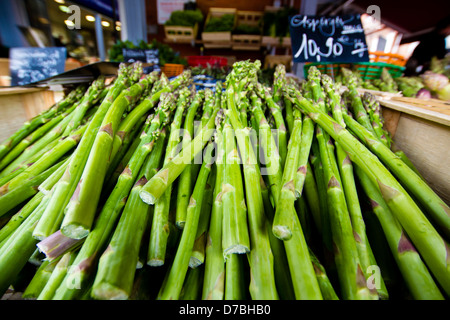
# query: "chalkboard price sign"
[[328, 39], [147, 56], [28, 65]]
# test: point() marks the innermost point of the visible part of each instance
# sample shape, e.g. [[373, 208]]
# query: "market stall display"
[[183, 25], [153, 177]]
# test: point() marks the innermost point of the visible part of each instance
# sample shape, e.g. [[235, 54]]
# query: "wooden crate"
[[181, 34], [245, 42], [271, 61], [220, 39], [18, 105], [251, 18], [421, 129], [276, 42]]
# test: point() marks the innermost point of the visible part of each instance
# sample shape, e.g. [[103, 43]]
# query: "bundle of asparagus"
[[150, 189]]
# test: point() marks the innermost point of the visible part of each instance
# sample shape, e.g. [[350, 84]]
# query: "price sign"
[[328, 39], [147, 56], [29, 65]]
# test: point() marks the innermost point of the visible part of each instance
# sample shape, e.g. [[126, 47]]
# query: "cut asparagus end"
[[195, 262], [236, 249], [180, 224], [148, 198], [75, 231], [155, 262], [282, 232], [107, 291]]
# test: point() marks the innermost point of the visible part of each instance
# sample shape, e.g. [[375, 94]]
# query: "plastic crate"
[[367, 70], [390, 58], [204, 61], [172, 69]]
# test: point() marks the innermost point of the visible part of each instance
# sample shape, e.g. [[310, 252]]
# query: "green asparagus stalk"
[[178, 270], [46, 186], [48, 159], [117, 265], [279, 120], [146, 105], [159, 230], [307, 136], [57, 276], [81, 208], [185, 184], [267, 142], [326, 287], [346, 170], [235, 238], [424, 236], [90, 98], [260, 256], [198, 252], [100, 234], [193, 284], [66, 186], [156, 186], [18, 248], [214, 275], [39, 280], [436, 208], [10, 199], [20, 217], [234, 278], [413, 269], [283, 277], [283, 221]]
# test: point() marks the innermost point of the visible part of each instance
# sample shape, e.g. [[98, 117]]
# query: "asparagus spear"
[[57, 276], [346, 170], [283, 221], [117, 265], [424, 236], [198, 252], [178, 270], [260, 256], [81, 208], [214, 275], [10, 199], [20, 217], [156, 186], [159, 229], [100, 234], [40, 279], [436, 208], [68, 182], [185, 181], [279, 120], [413, 269], [269, 148], [235, 238]]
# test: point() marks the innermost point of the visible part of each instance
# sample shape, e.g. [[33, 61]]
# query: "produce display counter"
[[18, 105], [421, 128]]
